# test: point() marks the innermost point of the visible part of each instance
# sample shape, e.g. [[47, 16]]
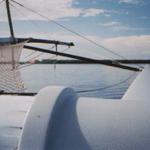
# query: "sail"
[[10, 77]]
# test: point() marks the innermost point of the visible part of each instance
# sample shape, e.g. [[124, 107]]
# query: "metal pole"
[[11, 32], [10, 20]]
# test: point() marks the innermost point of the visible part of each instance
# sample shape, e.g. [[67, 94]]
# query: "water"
[[92, 80]]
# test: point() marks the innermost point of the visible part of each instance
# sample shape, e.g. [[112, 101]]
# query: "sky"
[[120, 25]]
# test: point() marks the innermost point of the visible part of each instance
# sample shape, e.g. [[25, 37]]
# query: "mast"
[[11, 31], [10, 20]]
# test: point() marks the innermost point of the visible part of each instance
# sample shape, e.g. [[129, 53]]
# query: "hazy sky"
[[121, 25]]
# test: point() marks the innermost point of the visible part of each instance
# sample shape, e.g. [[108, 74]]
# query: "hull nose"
[[140, 88]]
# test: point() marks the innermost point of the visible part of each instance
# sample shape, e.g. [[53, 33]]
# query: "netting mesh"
[[10, 77]]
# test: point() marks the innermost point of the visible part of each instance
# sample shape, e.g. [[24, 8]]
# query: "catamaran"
[[56, 118]]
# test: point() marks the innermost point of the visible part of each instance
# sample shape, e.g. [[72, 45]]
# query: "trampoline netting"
[[10, 77]]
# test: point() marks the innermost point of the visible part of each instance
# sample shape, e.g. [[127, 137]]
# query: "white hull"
[[57, 119]]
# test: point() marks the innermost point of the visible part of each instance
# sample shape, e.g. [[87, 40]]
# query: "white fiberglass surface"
[[13, 110]]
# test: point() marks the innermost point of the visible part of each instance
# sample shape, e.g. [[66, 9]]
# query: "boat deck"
[[13, 111]]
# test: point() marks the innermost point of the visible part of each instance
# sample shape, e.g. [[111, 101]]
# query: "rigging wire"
[[68, 29], [32, 53], [37, 56], [32, 22], [90, 90], [100, 89], [107, 87], [72, 31], [28, 65], [66, 49]]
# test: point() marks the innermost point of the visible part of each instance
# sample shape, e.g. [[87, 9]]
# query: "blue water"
[[88, 80]]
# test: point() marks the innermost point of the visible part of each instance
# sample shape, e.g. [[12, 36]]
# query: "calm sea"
[[87, 80]]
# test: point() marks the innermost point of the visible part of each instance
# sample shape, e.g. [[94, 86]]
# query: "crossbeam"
[[44, 41], [134, 61], [124, 61]]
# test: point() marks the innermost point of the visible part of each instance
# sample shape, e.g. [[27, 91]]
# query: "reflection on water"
[[80, 77]]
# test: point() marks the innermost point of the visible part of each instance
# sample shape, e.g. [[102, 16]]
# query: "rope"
[[36, 25], [32, 53], [57, 56], [28, 65], [30, 60], [36, 56], [32, 22], [68, 29], [107, 87], [72, 31]]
